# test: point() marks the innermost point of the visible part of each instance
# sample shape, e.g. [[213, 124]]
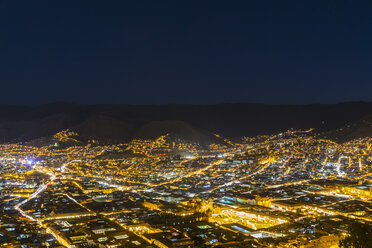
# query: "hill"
[[106, 129], [178, 130], [115, 123], [359, 129]]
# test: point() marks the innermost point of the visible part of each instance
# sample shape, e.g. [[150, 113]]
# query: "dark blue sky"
[[143, 52]]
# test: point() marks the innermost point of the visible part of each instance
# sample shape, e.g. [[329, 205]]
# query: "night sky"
[[202, 52]]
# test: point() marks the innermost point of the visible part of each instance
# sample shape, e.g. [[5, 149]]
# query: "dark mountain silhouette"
[[105, 128], [23, 130], [114, 123], [177, 130], [359, 129]]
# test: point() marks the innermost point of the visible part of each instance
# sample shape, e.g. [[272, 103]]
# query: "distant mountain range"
[[196, 123]]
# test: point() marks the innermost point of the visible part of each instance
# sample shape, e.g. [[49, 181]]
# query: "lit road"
[[42, 188], [266, 164]]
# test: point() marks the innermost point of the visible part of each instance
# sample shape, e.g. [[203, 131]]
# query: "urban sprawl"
[[292, 189]]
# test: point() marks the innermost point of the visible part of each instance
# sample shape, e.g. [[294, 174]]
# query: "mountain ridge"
[[123, 121]]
